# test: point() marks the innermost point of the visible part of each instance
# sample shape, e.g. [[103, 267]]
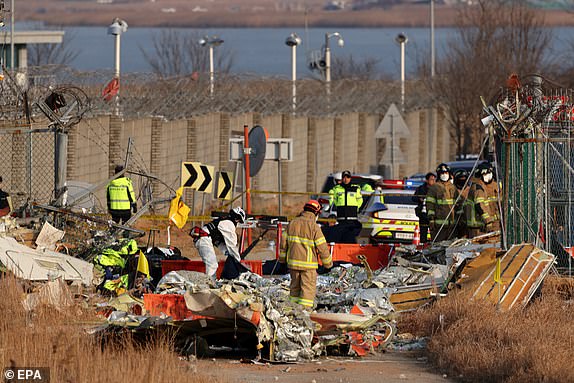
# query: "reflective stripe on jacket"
[[121, 194], [116, 258], [303, 243], [484, 209], [439, 202], [347, 199]]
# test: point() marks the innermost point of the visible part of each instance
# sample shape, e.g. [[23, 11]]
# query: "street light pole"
[[116, 29], [327, 59], [402, 40], [211, 74], [292, 41], [12, 35], [211, 42], [341, 43]]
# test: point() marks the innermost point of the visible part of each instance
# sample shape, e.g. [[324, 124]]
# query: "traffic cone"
[[417, 236]]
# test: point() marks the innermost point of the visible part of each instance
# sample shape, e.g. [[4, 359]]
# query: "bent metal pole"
[[246, 167]]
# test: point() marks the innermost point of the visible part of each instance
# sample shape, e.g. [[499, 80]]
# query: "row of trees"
[[493, 39]]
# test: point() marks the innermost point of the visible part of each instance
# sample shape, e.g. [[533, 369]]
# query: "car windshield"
[[390, 198], [402, 199]]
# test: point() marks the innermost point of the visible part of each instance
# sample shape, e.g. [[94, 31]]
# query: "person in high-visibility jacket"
[[481, 211], [121, 198], [440, 201], [113, 264], [348, 199], [301, 246]]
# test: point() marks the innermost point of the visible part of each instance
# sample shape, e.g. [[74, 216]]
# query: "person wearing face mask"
[[481, 211], [301, 246], [440, 201]]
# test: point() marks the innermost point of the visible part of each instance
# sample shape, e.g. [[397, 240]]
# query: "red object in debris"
[[356, 310], [362, 346], [417, 236], [169, 304], [570, 250], [111, 90], [167, 266], [378, 256]]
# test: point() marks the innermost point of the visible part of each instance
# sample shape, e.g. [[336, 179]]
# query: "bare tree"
[[49, 54], [494, 39], [177, 53], [345, 67]]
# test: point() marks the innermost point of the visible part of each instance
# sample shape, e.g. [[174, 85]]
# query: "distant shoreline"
[[149, 15]]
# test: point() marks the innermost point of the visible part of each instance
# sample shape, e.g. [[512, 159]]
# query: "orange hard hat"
[[313, 206]]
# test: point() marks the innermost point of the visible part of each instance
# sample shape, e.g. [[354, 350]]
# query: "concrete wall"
[[320, 146]]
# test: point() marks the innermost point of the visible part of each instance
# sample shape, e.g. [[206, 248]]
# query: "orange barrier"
[[167, 266], [378, 256], [169, 304]]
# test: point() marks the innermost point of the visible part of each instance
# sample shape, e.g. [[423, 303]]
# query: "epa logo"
[[27, 374]]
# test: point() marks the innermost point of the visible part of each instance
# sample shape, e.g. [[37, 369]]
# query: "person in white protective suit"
[[218, 233]]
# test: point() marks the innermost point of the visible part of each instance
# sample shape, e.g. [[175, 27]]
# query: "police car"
[[390, 219]]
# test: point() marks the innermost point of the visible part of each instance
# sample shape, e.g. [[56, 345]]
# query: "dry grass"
[[48, 338], [475, 342]]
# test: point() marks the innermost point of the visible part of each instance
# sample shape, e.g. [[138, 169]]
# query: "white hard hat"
[[338, 176]]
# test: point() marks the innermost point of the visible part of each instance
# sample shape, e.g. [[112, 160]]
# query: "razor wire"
[[146, 94]]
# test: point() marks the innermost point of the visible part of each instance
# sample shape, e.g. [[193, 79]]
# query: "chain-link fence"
[[538, 168], [28, 166]]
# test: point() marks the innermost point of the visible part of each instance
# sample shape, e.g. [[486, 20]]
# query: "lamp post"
[[210, 42], [402, 40], [116, 29], [12, 35], [341, 43], [292, 41]]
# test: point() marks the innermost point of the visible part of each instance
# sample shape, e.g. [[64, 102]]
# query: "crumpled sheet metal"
[[267, 306], [522, 270], [369, 335], [178, 282], [36, 265]]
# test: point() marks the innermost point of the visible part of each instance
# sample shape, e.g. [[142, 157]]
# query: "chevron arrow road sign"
[[224, 186], [197, 176]]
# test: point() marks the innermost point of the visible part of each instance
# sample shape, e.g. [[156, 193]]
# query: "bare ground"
[[389, 367]]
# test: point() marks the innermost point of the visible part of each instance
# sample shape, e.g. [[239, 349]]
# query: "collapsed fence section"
[[538, 169]]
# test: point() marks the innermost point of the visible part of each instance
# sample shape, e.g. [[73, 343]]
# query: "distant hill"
[[257, 13]]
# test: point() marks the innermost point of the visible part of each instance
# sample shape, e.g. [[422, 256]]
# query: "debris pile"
[[355, 305]]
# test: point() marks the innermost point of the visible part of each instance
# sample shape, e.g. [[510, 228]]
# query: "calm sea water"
[[263, 50]]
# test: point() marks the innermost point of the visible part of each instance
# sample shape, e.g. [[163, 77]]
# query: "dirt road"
[[389, 367]]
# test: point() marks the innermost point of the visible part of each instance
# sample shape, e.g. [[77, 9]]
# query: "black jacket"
[[419, 198]]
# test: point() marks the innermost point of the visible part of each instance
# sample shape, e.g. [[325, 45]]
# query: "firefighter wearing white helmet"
[[482, 214], [219, 233], [440, 201]]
